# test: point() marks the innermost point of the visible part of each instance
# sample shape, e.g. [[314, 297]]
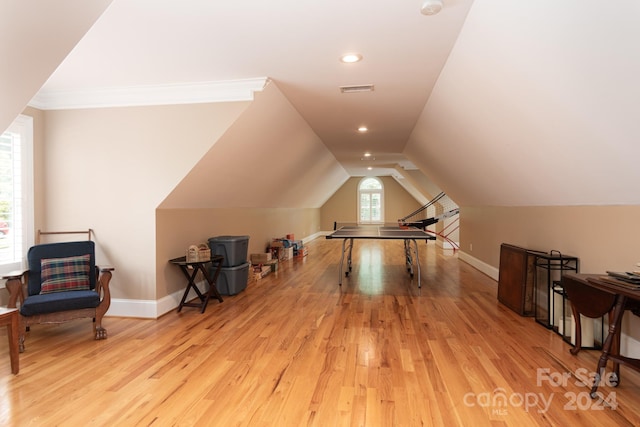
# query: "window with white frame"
[[16, 193], [370, 201]]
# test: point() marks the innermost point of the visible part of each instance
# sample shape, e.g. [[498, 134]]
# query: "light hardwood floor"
[[295, 349]]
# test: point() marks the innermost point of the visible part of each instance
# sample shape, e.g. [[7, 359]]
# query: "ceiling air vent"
[[356, 89]]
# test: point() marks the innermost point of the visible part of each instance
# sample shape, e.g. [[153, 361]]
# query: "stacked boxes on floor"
[[281, 249], [235, 268], [299, 250], [263, 263], [288, 248]]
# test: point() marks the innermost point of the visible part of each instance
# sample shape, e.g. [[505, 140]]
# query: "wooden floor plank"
[[297, 349]]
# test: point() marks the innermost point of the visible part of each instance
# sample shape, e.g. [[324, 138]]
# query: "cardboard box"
[[281, 253], [261, 258]]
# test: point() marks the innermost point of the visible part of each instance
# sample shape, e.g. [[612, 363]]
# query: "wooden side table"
[[190, 270], [9, 318]]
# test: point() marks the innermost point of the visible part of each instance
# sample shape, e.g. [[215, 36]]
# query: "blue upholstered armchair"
[[62, 283]]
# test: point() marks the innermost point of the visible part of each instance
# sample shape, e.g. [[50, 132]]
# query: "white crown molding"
[[186, 93]]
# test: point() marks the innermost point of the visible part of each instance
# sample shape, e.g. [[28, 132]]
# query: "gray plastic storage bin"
[[232, 280], [234, 249]]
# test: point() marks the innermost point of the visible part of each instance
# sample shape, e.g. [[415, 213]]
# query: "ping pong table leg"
[[417, 260], [344, 251], [407, 256], [412, 259], [344, 242]]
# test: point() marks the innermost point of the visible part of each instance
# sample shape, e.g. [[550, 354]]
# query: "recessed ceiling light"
[[363, 129], [369, 168], [350, 58], [431, 7], [367, 154]]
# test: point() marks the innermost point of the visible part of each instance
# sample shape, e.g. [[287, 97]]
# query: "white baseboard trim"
[[444, 244], [487, 269], [149, 309], [314, 236]]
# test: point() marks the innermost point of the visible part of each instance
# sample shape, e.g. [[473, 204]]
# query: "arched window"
[[370, 201]]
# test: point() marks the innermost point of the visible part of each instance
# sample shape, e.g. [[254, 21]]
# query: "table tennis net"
[[342, 224], [438, 208]]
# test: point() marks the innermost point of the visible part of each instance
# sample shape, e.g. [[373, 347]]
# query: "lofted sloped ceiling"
[[269, 157], [497, 103], [538, 104], [296, 44], [35, 37]]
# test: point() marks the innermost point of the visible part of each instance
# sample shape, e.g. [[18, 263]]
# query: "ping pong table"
[[410, 236]]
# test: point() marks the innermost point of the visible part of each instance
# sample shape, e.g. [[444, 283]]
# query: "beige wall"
[[179, 228], [343, 205], [109, 168], [603, 237]]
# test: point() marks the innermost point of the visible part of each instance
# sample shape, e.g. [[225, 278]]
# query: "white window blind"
[[16, 193]]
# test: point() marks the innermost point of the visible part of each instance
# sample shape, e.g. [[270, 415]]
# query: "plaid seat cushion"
[[65, 274]]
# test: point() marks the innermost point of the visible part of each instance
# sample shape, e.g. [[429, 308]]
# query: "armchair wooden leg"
[[101, 333], [101, 310], [98, 330]]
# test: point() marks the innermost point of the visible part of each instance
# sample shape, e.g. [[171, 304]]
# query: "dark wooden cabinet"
[[516, 279]]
